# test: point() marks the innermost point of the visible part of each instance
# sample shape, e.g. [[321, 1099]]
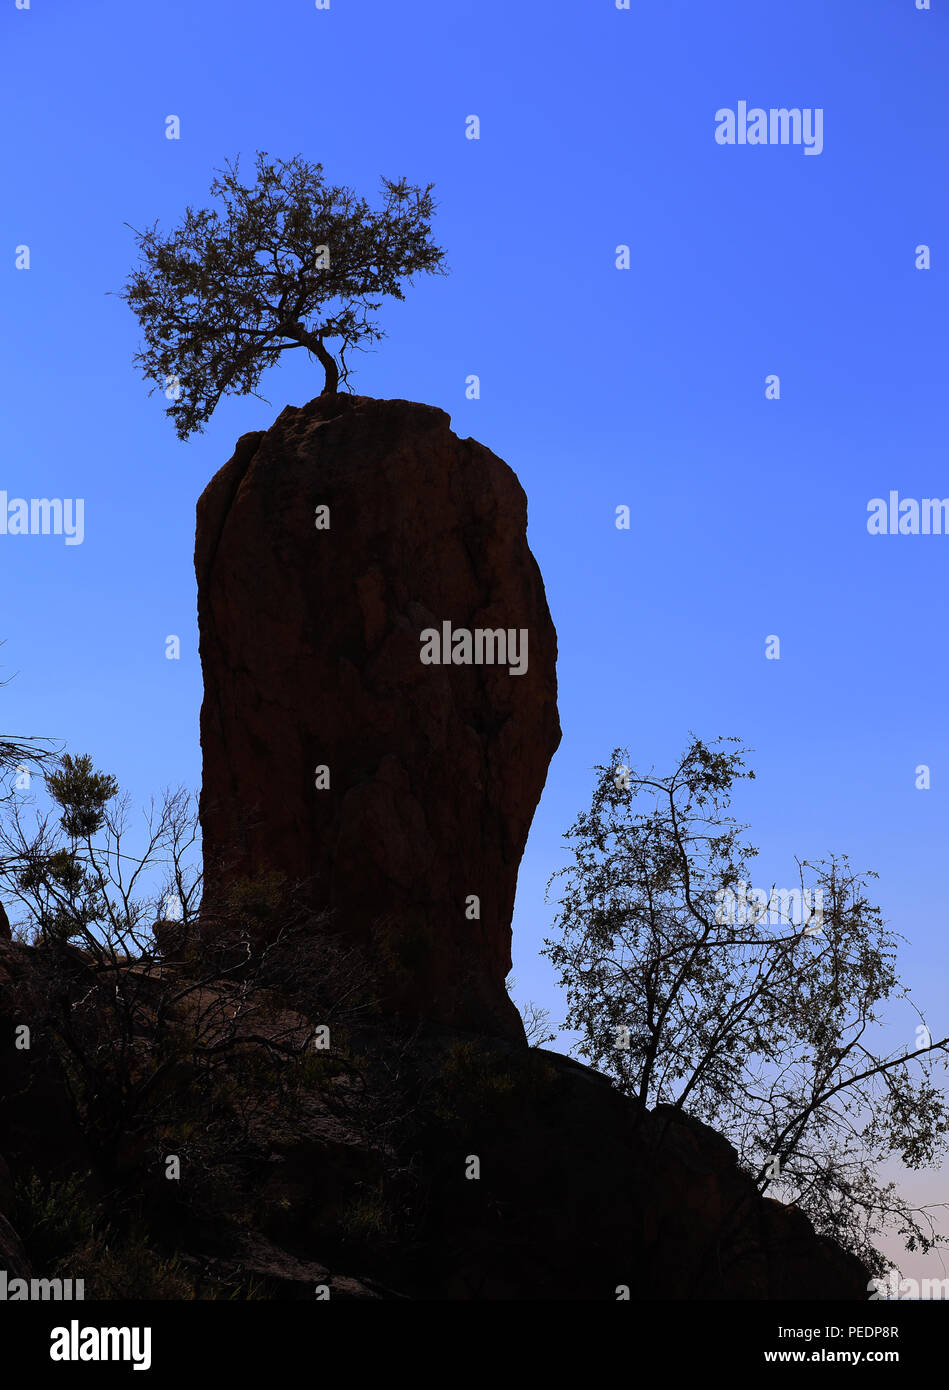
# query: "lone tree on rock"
[[291, 262]]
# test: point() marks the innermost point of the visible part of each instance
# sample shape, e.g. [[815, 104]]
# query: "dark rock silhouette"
[[310, 648], [170, 938], [581, 1190], [310, 645]]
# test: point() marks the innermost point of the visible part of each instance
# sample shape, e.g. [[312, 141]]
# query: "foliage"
[[686, 994], [290, 261]]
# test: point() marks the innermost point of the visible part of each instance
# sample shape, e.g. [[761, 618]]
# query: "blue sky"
[[601, 387]]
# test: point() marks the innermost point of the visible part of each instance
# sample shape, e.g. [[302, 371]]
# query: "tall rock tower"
[[379, 691]]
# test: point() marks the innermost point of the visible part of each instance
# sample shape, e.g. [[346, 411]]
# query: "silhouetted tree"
[[290, 262], [689, 998], [143, 1042], [535, 1018]]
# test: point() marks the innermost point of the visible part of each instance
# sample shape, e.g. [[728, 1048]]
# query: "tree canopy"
[[760, 1011], [288, 262]]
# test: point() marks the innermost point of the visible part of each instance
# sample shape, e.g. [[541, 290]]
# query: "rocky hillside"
[[323, 1083]]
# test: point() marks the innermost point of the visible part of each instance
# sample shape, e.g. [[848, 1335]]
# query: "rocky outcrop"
[[708, 1233], [362, 1184], [393, 795], [584, 1195], [399, 792]]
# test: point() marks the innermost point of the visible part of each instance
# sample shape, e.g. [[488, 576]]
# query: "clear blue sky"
[[600, 387]]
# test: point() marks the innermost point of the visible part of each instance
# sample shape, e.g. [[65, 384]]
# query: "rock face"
[[397, 794], [707, 1232], [311, 650], [589, 1192]]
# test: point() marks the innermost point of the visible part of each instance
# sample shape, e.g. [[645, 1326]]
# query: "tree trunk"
[[315, 344], [328, 363]]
